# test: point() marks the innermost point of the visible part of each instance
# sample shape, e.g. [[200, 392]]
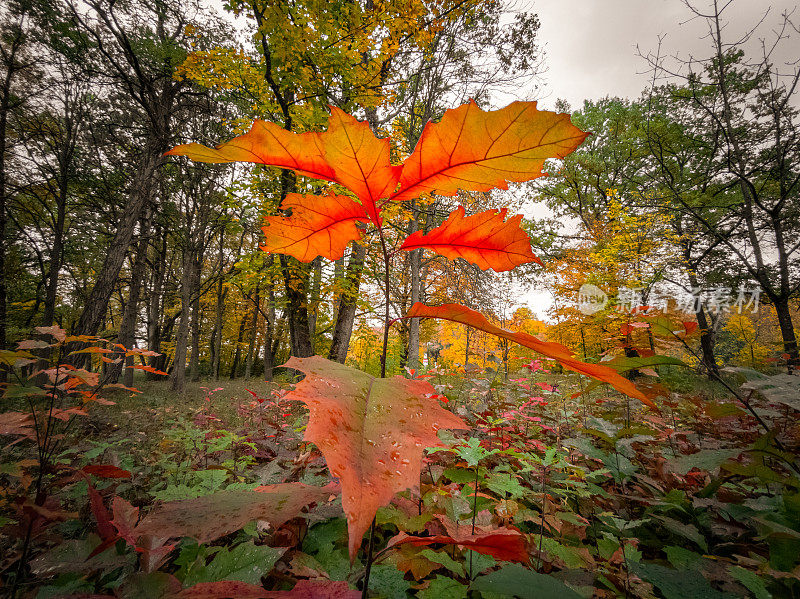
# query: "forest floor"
[[577, 496]]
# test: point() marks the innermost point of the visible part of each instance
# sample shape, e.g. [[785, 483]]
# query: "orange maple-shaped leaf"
[[474, 150], [485, 239], [371, 431], [507, 544], [558, 352], [318, 226], [347, 153]]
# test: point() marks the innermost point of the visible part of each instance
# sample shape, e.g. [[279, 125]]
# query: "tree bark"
[[251, 345], [346, 313]]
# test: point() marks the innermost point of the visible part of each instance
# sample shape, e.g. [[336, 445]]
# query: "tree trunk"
[[238, 353], [346, 313], [784, 314], [141, 191], [316, 282], [56, 258], [251, 345], [216, 335], [127, 328], [154, 331], [181, 339], [197, 316]]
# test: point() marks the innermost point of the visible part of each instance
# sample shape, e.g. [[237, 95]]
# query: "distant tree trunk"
[[140, 193], [154, 330], [238, 353], [127, 327], [415, 264], [56, 256], [251, 345], [194, 360], [14, 43], [346, 313], [269, 326], [784, 313], [181, 339], [316, 281]]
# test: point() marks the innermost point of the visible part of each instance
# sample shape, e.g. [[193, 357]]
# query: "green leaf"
[[443, 559], [480, 562], [679, 584], [516, 580], [247, 562], [706, 459], [754, 583], [442, 587], [504, 482], [391, 514], [571, 558], [687, 531], [683, 559], [388, 582]]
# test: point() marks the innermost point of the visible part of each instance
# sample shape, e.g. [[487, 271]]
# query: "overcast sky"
[[591, 52], [591, 44]]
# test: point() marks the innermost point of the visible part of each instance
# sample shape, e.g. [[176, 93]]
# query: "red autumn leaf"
[[371, 431], [318, 226], [317, 589], [474, 150], [226, 589], [507, 544], [690, 326], [347, 153], [212, 516], [106, 471], [558, 352], [125, 517], [56, 331], [100, 513], [483, 239], [148, 369]]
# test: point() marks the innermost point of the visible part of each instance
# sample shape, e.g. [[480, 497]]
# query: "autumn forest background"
[[144, 328]]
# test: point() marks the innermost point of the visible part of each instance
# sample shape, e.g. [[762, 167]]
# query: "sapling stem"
[[386, 324]]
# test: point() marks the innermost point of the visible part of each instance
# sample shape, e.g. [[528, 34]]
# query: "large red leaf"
[[317, 589], [474, 150], [484, 239], [371, 431], [212, 516], [224, 589], [347, 153], [562, 354], [507, 544], [318, 226]]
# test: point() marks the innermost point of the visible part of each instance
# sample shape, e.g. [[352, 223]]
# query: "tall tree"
[[750, 104]]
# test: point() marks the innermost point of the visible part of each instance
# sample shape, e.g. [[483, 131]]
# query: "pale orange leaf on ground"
[[371, 431], [485, 239], [318, 226]]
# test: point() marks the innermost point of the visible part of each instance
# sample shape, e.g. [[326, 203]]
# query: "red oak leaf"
[[371, 431], [558, 352], [474, 150], [318, 226], [317, 589], [484, 239], [347, 153], [507, 544]]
